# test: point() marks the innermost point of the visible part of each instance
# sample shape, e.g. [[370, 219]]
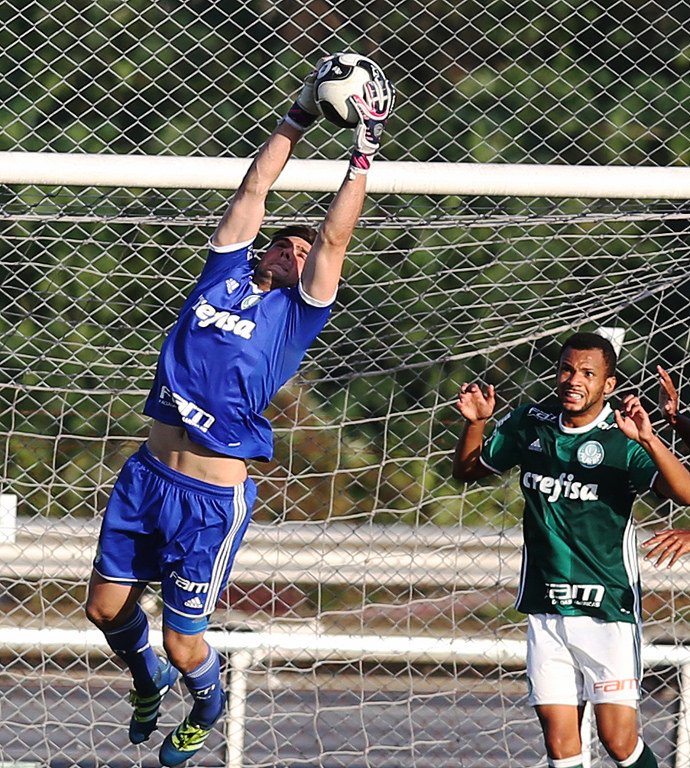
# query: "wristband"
[[298, 117], [359, 163]]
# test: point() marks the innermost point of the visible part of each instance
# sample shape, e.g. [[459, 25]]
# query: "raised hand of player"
[[670, 545], [668, 396], [373, 110], [305, 110], [474, 404], [632, 419]]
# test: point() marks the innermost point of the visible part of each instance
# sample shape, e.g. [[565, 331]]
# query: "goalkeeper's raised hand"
[[305, 110], [373, 110]]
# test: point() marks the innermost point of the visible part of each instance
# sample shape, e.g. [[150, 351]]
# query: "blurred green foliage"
[[93, 278], [493, 81]]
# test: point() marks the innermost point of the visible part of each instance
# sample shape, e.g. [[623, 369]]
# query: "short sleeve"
[[500, 450], [641, 468], [228, 260], [305, 321]]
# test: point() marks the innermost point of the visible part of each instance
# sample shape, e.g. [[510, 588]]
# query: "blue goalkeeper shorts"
[[161, 525]]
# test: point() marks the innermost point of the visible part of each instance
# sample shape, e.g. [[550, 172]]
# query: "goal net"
[[382, 590]]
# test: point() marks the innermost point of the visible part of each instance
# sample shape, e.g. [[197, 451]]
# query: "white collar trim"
[[605, 412]]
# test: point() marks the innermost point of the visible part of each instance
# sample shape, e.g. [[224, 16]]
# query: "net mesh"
[[358, 529], [556, 81]]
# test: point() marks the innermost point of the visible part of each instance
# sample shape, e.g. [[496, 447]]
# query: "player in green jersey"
[[581, 464]]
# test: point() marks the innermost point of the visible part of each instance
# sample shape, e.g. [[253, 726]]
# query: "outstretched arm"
[[324, 264], [673, 480], [242, 219], [477, 407], [669, 404]]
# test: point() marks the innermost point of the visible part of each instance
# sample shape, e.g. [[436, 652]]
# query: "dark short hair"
[[295, 230], [584, 340]]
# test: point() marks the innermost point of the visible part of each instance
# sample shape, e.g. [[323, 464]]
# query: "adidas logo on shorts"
[[535, 446], [194, 603]]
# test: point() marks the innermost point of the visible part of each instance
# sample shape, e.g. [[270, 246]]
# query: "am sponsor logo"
[[590, 595], [197, 587], [612, 686], [190, 412], [205, 693]]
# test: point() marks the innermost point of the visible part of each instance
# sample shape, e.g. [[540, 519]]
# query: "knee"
[[93, 615], [110, 608], [109, 605], [185, 652], [560, 746], [97, 613], [104, 616], [619, 744]]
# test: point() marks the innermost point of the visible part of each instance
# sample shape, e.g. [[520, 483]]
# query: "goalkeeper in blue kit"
[[581, 464], [182, 503]]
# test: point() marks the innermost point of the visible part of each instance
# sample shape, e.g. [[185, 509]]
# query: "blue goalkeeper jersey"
[[231, 349]]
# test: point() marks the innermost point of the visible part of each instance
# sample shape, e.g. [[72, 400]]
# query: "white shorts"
[[573, 659]]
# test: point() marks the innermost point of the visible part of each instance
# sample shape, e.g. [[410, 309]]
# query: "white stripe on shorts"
[[220, 564]]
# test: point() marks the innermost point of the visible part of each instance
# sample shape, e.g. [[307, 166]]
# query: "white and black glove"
[[373, 110], [305, 110]]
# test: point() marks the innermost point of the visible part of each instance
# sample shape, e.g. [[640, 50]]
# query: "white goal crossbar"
[[490, 179]]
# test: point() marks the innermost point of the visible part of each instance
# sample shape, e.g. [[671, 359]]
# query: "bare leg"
[[110, 604], [617, 725], [114, 608], [200, 667], [186, 652], [561, 724]]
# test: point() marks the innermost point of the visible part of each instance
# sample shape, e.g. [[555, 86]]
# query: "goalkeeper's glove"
[[373, 110], [305, 110]]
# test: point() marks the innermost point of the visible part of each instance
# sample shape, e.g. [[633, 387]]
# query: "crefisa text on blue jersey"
[[222, 319]]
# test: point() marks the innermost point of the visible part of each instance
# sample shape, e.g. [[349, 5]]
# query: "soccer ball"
[[337, 79]]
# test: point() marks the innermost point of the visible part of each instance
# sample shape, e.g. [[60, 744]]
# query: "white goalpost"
[[439, 178], [369, 619]]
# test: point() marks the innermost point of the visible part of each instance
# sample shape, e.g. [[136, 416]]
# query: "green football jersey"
[[579, 554]]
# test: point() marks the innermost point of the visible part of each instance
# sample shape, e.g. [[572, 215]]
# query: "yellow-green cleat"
[[145, 715], [186, 740]]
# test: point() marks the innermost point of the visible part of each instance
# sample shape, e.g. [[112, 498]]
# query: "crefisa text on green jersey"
[[564, 485]]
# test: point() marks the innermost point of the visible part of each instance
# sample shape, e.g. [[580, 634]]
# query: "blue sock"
[[204, 684], [131, 644]]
